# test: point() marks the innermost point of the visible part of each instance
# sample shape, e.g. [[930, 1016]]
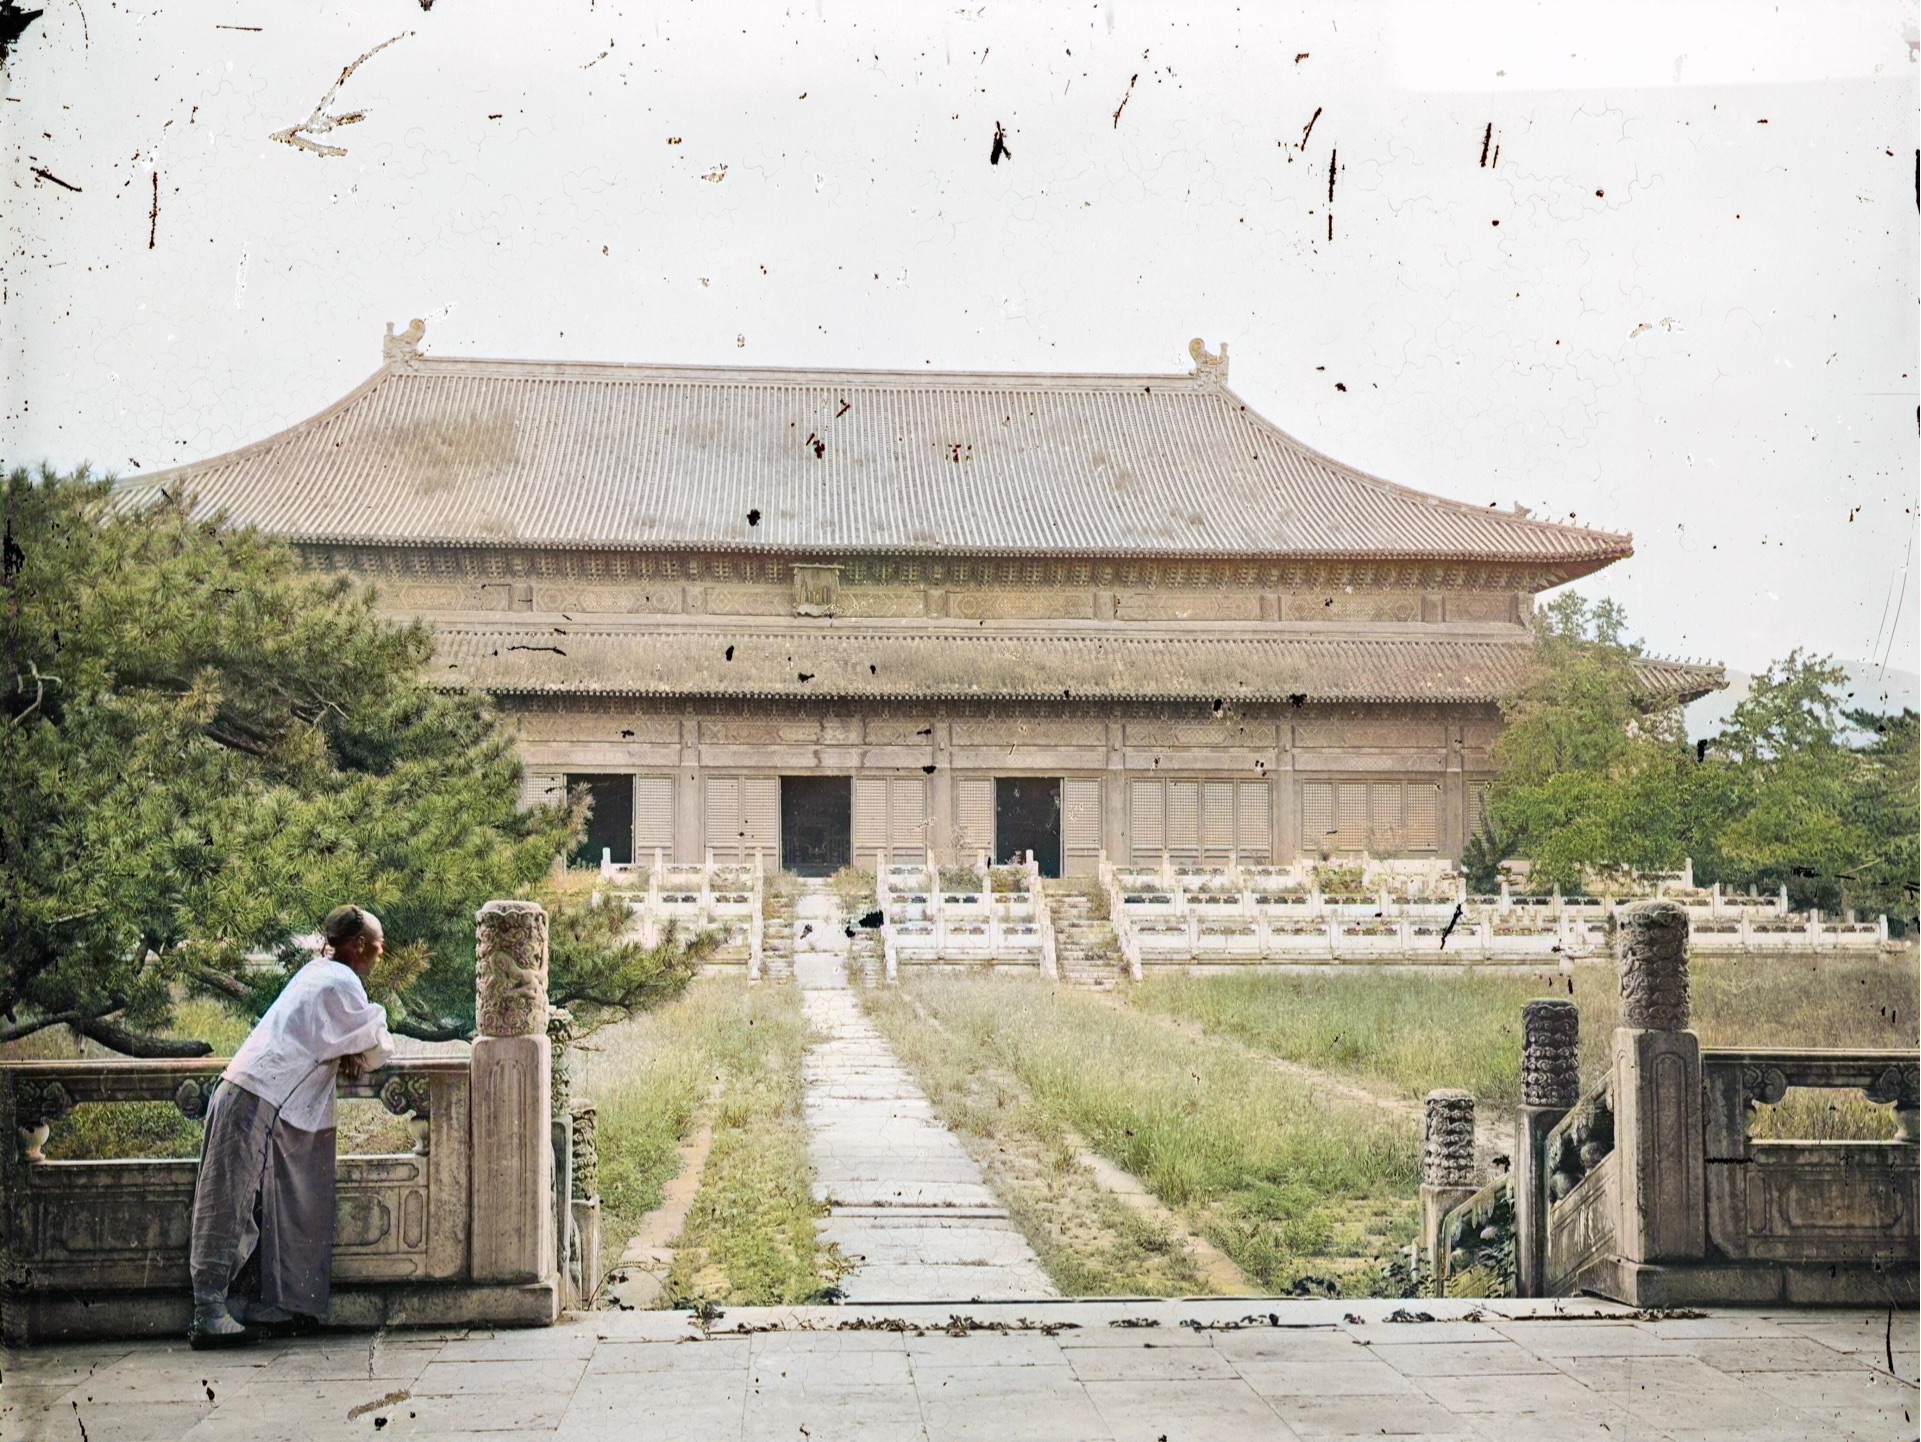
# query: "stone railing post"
[[1447, 1169], [560, 1032], [1657, 1093], [1550, 1086], [584, 1198], [512, 1086]]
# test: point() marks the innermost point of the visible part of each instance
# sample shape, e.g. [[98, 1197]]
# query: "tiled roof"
[[473, 452], [952, 663]]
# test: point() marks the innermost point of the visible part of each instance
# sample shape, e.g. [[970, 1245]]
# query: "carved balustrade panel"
[[1810, 1201], [116, 1225]]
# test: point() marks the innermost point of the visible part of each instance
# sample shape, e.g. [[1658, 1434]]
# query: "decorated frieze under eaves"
[[637, 567]]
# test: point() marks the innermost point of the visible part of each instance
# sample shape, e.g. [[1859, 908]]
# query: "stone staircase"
[[866, 959], [1084, 944], [777, 933]]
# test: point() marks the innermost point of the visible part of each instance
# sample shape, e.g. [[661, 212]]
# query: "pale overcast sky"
[[1678, 298]]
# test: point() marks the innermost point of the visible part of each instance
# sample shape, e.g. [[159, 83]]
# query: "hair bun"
[[343, 923]]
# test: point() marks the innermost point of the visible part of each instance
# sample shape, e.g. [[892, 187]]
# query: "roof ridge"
[[852, 376]]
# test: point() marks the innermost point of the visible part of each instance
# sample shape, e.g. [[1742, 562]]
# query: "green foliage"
[[1885, 803], [205, 747], [1591, 775], [854, 886], [1339, 880], [600, 970], [1820, 801], [1481, 858]]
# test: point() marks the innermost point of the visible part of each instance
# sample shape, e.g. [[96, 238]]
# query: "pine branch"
[[27, 1028], [219, 981], [447, 1029], [138, 1044]]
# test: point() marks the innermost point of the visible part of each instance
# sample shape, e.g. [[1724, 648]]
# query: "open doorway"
[[816, 824], [1027, 817], [610, 821]]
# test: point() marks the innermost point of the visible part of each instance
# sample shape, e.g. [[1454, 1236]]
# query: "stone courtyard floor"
[[1184, 1371]]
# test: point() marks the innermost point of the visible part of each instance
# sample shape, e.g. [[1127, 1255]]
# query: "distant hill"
[[1871, 690]]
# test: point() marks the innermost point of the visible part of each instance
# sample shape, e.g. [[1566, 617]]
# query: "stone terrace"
[[1184, 1371]]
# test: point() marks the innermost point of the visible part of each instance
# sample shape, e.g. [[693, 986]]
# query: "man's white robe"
[[266, 1183]]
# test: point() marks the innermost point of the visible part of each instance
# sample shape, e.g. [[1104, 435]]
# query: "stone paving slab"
[[905, 1199], [1189, 1371]]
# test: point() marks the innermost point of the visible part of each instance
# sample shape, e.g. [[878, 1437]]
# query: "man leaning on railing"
[[265, 1195]]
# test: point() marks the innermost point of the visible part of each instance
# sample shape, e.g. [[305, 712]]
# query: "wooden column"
[[1114, 838], [940, 829], [1454, 794], [689, 824], [1283, 809]]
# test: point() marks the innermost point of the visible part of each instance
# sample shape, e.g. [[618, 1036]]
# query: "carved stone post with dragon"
[[513, 1156]]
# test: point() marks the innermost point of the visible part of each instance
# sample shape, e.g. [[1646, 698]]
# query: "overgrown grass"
[[855, 888], [750, 1238], [648, 1077], [1405, 1034], [1287, 1183], [1091, 1243]]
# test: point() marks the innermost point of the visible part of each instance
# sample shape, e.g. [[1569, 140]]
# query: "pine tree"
[[206, 746]]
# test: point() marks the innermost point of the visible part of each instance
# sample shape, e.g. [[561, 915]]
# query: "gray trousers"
[[265, 1191]]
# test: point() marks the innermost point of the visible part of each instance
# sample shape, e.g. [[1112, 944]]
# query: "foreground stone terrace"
[[1185, 1371]]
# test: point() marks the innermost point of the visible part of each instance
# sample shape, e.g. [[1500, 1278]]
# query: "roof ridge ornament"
[[1208, 366], [399, 349]]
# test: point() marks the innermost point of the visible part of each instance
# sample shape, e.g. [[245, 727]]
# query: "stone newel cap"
[[1654, 966]]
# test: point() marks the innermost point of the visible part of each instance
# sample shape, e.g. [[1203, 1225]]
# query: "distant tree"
[[1802, 811], [1593, 773], [204, 746], [1887, 807]]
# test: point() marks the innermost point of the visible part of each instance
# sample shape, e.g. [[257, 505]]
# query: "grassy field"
[[1405, 1034], [1289, 1184], [750, 1238]]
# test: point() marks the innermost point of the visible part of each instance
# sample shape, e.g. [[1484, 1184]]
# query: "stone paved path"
[[1184, 1371], [905, 1196]]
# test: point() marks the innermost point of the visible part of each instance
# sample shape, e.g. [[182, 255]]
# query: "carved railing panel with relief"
[[112, 1224], [1781, 1200], [1578, 1167]]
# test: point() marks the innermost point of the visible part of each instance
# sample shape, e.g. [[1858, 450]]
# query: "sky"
[[1649, 266]]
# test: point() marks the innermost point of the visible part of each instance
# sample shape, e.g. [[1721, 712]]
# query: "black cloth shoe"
[[214, 1327], [295, 1324]]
